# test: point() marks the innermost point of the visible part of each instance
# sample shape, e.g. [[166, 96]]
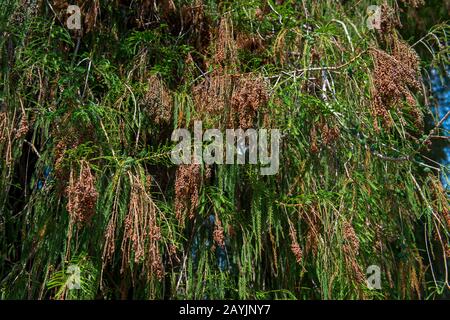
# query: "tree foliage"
[[85, 123]]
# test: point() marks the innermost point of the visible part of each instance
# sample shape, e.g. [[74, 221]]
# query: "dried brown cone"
[[295, 247], [218, 234], [446, 214], [212, 95], [313, 233], [82, 195], [193, 15], [225, 47], [69, 138], [23, 127], [249, 95], [351, 250], [394, 77], [187, 188], [389, 20], [351, 241], [329, 134], [158, 101], [142, 233], [249, 42]]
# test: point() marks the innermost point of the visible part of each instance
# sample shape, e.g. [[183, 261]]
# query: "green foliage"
[[366, 195]]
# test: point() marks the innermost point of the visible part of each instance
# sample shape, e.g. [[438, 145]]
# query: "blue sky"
[[441, 91]]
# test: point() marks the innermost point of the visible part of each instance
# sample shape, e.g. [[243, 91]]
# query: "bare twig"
[[327, 68], [32, 147]]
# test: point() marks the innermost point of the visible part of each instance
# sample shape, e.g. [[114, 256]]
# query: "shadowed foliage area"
[[86, 117]]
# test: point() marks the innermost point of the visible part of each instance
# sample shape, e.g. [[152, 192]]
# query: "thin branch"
[[329, 68], [436, 127], [32, 147]]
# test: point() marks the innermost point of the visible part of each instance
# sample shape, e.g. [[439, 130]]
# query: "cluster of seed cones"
[[328, 135], [141, 232], [158, 101], [238, 97], [395, 77], [218, 234], [187, 188], [351, 251], [82, 195], [295, 247]]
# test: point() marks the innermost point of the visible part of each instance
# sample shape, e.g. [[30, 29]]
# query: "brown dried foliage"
[[90, 11], [225, 46], [69, 138], [193, 17], [249, 42], [212, 95], [23, 127], [351, 239], [394, 78], [60, 4], [187, 188], [150, 10], [110, 233], [447, 217], [82, 195], [158, 101], [142, 233], [249, 95], [328, 135], [218, 234], [59, 151], [225, 92], [239, 97], [295, 247], [389, 20], [441, 195], [313, 233], [351, 250]]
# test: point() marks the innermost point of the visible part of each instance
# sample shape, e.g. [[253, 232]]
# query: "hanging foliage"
[[87, 181]]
